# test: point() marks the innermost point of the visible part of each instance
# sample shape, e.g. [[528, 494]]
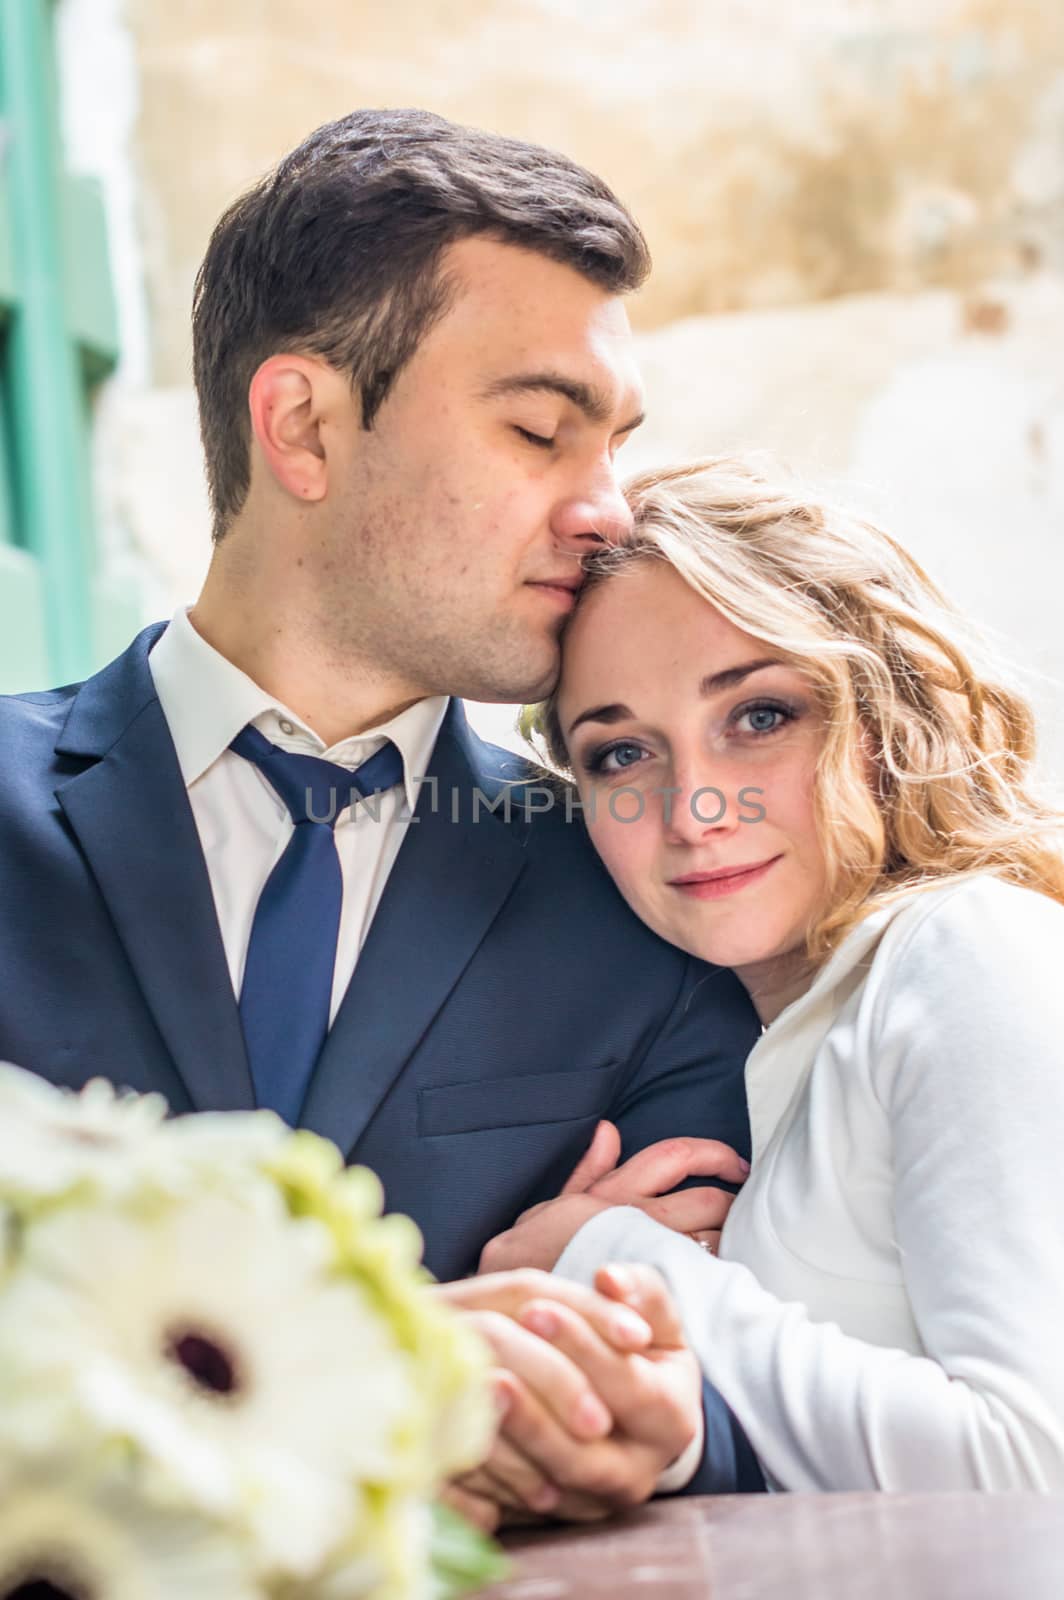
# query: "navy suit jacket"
[[504, 1001]]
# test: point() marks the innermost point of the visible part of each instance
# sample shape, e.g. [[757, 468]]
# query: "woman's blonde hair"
[[925, 771]]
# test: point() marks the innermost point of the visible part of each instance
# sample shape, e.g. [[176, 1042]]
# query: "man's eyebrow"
[[593, 402], [727, 679]]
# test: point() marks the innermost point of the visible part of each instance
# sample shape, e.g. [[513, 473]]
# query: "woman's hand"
[[598, 1393], [540, 1235]]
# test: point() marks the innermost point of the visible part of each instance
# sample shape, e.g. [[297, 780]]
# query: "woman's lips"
[[714, 888]]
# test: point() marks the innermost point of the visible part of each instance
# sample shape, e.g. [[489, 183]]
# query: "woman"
[[793, 763]]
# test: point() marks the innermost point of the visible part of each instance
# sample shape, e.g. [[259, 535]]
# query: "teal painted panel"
[[88, 294], [23, 636], [8, 512], [8, 286], [58, 339], [55, 518]]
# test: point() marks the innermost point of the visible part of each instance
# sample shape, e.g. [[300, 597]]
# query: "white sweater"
[[888, 1309]]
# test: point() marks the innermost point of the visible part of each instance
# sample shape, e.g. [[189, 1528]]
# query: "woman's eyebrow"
[[726, 679], [733, 675], [614, 713]]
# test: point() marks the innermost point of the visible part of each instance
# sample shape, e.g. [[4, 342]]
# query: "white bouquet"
[[223, 1375]]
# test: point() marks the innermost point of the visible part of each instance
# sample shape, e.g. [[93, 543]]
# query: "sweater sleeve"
[[966, 1054]]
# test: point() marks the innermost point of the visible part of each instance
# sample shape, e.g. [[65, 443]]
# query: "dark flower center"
[[204, 1360], [35, 1587]]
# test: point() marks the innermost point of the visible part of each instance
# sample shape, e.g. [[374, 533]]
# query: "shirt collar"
[[206, 701]]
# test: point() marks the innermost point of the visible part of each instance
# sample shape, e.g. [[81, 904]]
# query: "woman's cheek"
[[626, 846]]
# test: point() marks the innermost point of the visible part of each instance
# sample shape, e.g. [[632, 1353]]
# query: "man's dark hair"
[[336, 253]]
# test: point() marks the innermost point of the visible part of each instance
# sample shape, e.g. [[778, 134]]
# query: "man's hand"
[[540, 1235], [594, 1408]]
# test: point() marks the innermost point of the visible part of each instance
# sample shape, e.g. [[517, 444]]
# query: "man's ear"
[[290, 398]]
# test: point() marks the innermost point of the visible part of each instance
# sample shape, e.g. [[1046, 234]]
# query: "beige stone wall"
[[775, 152]]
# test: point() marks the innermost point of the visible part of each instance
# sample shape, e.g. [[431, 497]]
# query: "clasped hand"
[[597, 1391], [540, 1234]]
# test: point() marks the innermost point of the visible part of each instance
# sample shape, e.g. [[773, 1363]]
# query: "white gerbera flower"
[[216, 1342], [76, 1534], [57, 1145], [230, 1150], [53, 1141], [214, 1139], [389, 1560]]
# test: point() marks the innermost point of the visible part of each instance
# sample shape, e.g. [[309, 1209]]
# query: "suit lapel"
[[130, 813], [450, 880]]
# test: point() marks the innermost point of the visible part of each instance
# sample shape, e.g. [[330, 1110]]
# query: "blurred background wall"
[[856, 210]]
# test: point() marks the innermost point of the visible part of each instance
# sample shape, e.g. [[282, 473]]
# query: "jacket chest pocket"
[[539, 1097]]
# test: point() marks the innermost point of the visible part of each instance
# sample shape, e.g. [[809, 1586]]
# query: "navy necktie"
[[286, 994]]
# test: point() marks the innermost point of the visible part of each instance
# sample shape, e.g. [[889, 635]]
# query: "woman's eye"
[[615, 758], [762, 719], [537, 439]]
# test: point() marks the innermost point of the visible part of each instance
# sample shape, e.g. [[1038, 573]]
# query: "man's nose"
[[597, 514]]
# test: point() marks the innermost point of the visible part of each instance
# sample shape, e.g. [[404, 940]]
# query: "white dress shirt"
[[888, 1309], [243, 824]]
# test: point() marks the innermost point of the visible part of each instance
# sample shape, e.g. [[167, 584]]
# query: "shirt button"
[[286, 726]]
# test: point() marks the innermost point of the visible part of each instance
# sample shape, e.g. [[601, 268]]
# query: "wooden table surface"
[[802, 1547]]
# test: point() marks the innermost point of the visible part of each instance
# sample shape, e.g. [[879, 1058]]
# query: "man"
[[261, 858]]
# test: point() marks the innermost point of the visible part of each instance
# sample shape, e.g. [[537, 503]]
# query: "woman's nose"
[[697, 807]]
